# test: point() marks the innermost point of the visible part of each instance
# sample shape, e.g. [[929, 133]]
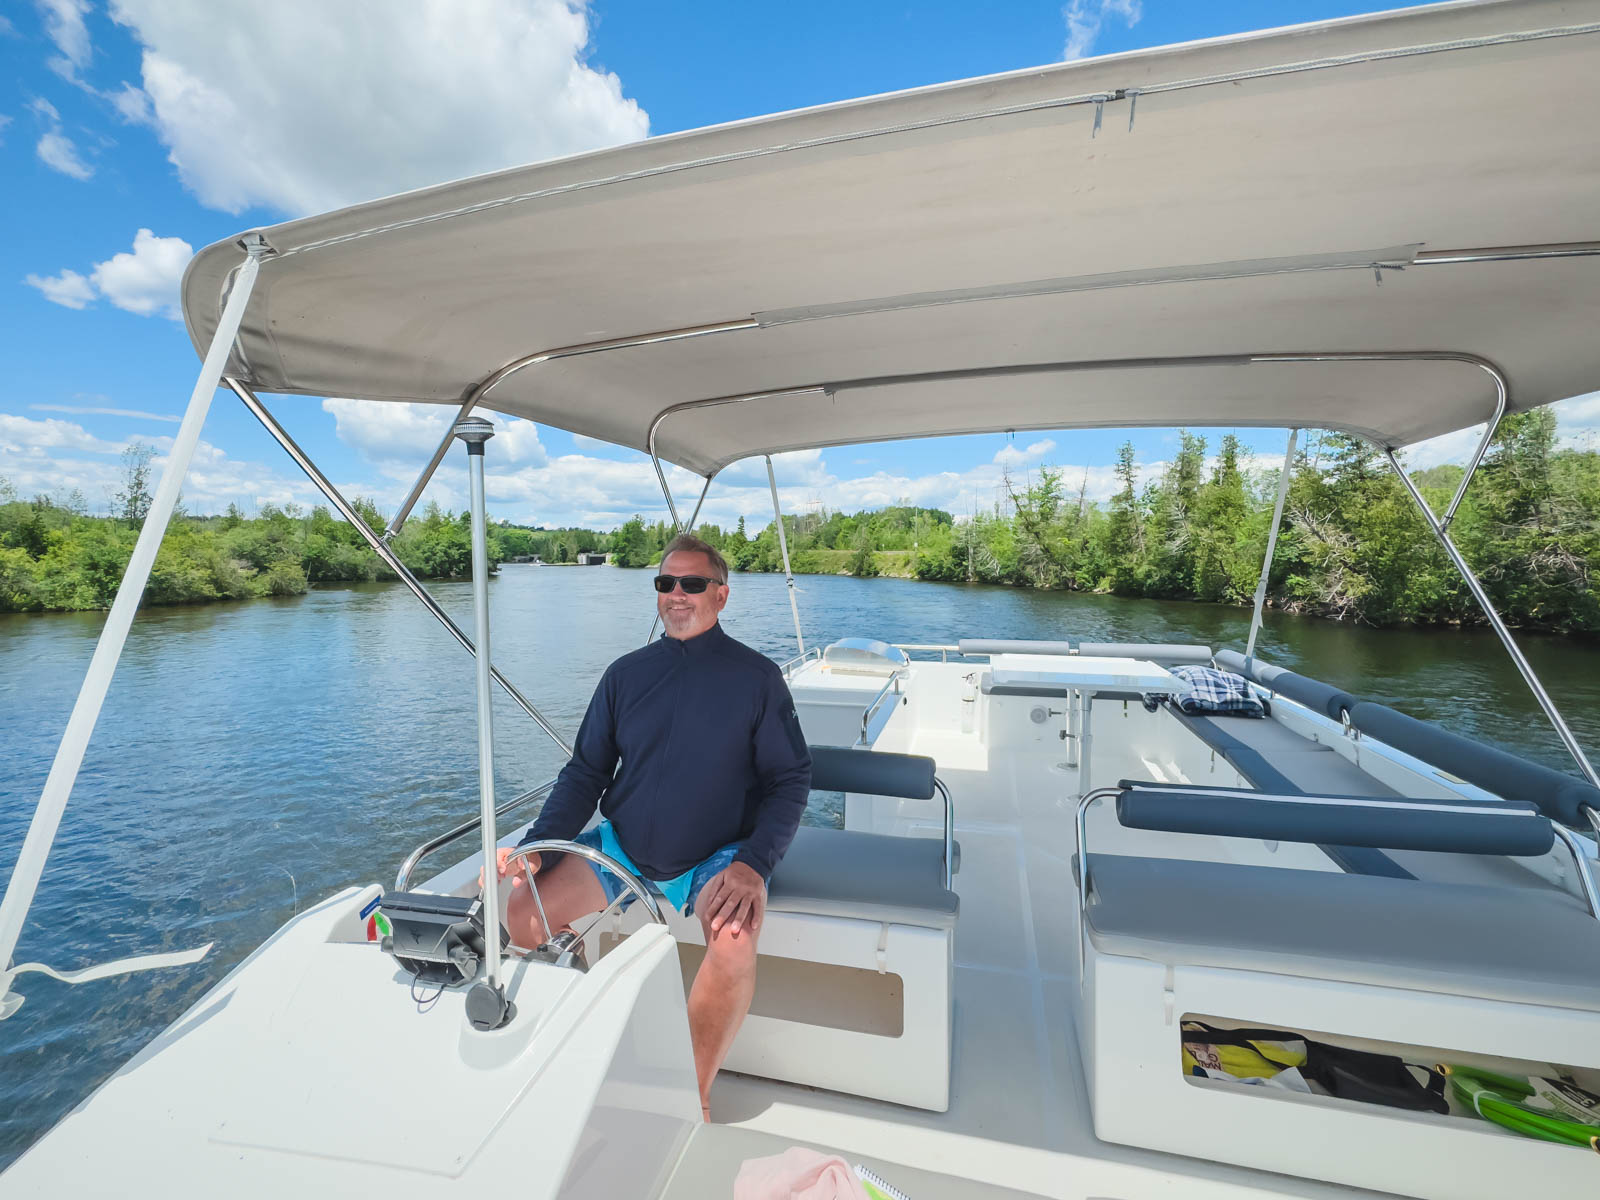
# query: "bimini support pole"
[[91, 696], [487, 1007], [1272, 545], [383, 550], [783, 547], [1482, 597]]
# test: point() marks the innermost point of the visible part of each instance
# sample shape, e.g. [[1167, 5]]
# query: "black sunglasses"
[[693, 584]]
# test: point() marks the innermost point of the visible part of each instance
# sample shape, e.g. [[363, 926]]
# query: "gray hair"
[[689, 544]]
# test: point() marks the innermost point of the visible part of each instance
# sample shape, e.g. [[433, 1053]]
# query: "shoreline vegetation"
[[1352, 546]]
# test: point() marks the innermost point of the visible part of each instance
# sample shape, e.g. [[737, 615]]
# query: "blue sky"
[[133, 132]]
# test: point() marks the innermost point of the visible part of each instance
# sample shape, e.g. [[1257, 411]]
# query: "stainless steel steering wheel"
[[561, 948]]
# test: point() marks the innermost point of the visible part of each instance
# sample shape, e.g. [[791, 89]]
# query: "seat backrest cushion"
[[1559, 796], [1449, 826], [1314, 694], [1157, 652], [992, 646], [871, 772]]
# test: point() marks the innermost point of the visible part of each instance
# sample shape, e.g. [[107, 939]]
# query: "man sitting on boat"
[[713, 780]]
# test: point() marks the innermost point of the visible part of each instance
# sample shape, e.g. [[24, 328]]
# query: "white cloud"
[[97, 411], [63, 22], [1578, 421], [401, 436], [792, 469], [68, 289], [1455, 447], [55, 149], [58, 152], [47, 457], [383, 98], [144, 281], [1577, 426], [1009, 456], [1085, 18], [131, 104], [20, 434]]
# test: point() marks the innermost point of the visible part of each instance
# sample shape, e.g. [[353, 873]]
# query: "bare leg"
[[567, 887], [718, 1001]]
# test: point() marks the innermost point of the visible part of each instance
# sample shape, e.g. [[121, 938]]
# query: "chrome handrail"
[[883, 692], [799, 660], [949, 832], [1083, 874], [944, 650], [402, 879], [1580, 859]]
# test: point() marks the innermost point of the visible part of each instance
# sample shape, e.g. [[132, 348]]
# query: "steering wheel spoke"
[[566, 944]]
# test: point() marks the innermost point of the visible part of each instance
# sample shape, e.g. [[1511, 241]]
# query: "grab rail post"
[[487, 1006], [1272, 545], [877, 701], [783, 547]]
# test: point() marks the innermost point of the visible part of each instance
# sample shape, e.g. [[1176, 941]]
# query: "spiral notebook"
[[877, 1186]]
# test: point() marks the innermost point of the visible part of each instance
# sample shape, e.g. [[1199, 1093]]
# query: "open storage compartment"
[[1131, 1040]]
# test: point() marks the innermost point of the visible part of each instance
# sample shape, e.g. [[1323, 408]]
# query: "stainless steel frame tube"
[[1272, 545], [496, 377], [383, 551], [1499, 626], [475, 431], [783, 547]]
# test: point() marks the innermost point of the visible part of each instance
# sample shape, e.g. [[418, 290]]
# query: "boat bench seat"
[[866, 877], [1274, 758], [864, 924], [1525, 945]]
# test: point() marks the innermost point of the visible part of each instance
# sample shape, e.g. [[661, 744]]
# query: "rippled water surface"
[[255, 756]]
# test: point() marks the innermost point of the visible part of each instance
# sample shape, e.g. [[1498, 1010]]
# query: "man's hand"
[[735, 897], [515, 869]]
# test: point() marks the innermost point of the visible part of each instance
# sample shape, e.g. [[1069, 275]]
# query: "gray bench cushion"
[[1050, 691], [1274, 758], [867, 876], [1520, 944]]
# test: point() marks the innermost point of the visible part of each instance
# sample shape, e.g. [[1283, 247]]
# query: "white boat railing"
[[402, 879]]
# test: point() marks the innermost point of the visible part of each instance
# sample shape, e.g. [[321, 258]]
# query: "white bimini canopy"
[[1141, 239]]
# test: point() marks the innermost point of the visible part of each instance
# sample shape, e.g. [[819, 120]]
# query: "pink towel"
[[797, 1174]]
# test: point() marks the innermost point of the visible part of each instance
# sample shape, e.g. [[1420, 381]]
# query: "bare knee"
[[730, 953]]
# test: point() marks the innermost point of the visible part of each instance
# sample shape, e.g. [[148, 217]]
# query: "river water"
[[254, 757]]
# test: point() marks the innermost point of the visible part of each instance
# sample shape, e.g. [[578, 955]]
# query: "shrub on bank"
[[55, 558]]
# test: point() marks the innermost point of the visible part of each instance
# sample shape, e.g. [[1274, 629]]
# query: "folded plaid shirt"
[[1213, 692]]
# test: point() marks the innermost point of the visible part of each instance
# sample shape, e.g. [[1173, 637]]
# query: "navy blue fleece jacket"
[[710, 749]]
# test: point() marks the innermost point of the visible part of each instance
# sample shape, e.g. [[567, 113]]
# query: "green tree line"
[[1352, 545], [54, 555]]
